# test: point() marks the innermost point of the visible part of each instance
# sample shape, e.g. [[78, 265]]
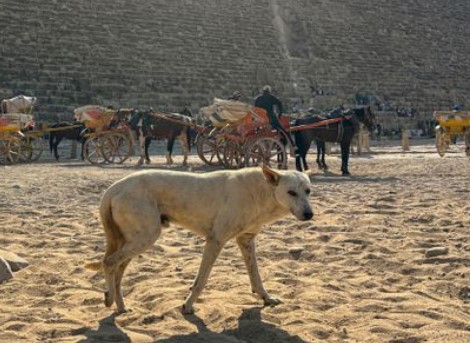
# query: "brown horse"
[[149, 125]]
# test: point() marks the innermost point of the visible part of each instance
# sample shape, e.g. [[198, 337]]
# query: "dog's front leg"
[[211, 251], [246, 243]]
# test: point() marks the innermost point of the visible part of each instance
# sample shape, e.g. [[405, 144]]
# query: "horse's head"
[[366, 116]]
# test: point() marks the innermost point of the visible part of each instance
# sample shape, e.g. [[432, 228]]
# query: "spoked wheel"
[[93, 150], [10, 151], [209, 149], [116, 147], [31, 148], [268, 151], [441, 142], [233, 155]]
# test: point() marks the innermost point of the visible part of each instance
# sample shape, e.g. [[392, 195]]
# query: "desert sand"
[[362, 275]]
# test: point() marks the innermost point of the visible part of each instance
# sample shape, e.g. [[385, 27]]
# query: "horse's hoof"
[[346, 173]]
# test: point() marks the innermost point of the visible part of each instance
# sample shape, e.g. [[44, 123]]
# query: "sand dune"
[[362, 275]]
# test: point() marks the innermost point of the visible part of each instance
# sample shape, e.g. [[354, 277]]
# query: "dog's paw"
[[108, 300], [122, 311], [187, 310], [272, 301]]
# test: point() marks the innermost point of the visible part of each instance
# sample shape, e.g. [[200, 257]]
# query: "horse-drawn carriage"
[[452, 124], [107, 138], [12, 138], [17, 141], [239, 135]]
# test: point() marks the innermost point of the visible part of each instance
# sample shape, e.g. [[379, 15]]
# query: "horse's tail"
[[113, 235]]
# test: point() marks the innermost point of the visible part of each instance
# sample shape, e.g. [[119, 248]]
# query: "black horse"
[[340, 126], [66, 130], [149, 126]]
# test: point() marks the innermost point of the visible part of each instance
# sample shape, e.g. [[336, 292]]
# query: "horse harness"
[[325, 123]]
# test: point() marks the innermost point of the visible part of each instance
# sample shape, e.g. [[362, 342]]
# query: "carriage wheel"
[[209, 148], [233, 155], [116, 148], [93, 150], [268, 151], [31, 149], [10, 151], [441, 142], [5, 152]]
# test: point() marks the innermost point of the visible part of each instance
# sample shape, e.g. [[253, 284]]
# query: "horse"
[[18, 104], [148, 126], [340, 126], [68, 131]]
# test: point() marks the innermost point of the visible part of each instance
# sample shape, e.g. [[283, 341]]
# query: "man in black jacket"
[[268, 101]]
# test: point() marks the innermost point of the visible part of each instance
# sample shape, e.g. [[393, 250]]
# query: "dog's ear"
[[271, 176]]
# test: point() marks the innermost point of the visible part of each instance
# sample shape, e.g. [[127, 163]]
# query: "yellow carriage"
[[11, 137], [452, 124]]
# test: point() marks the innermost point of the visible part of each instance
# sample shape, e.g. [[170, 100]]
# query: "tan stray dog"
[[218, 206]]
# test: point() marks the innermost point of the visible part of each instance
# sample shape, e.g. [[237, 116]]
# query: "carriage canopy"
[[223, 112]]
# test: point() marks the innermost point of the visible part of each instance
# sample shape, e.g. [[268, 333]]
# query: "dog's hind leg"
[[246, 243], [140, 230], [211, 251], [117, 279]]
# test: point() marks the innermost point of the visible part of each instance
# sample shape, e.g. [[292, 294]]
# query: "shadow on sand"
[[251, 328]]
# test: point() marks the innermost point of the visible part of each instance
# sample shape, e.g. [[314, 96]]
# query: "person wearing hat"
[[268, 102]]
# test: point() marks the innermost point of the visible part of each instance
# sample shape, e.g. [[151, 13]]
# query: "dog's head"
[[292, 191]]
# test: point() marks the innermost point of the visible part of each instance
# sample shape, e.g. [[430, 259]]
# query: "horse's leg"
[[148, 140], [141, 146], [345, 146], [323, 152], [82, 154], [300, 157], [303, 140], [169, 149], [319, 152], [58, 139], [183, 139]]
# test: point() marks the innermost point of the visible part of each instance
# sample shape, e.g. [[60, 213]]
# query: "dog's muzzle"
[[307, 215]]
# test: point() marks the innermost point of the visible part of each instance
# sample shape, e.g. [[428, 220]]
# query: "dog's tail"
[[113, 235]]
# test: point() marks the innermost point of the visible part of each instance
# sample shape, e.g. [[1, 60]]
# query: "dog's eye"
[[292, 193], [307, 191]]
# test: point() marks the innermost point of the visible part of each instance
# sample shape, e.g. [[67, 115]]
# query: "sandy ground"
[[362, 276]]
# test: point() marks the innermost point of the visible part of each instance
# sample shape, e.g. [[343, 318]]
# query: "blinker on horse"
[[340, 131]]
